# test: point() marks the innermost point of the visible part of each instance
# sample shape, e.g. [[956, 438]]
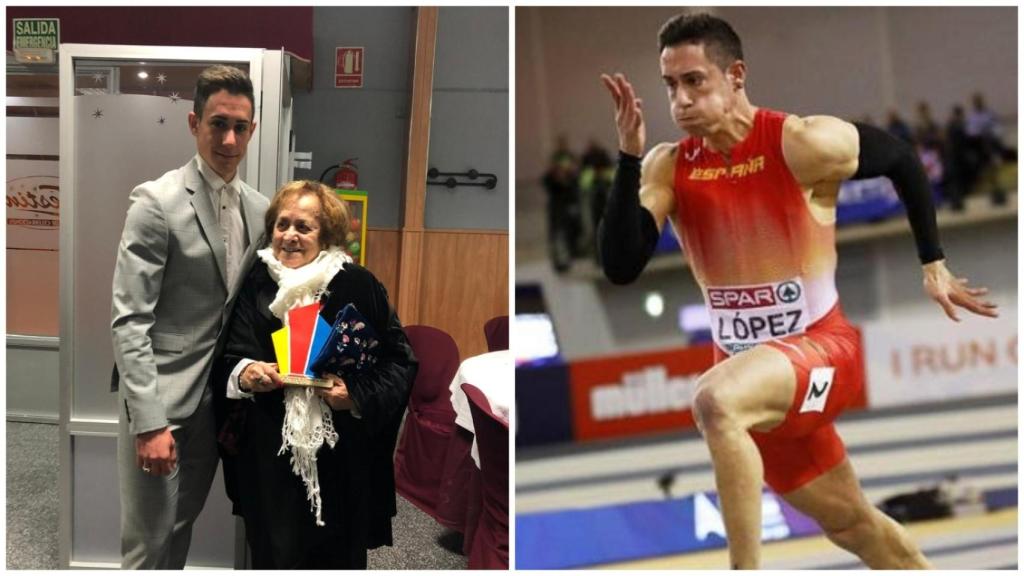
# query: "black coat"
[[357, 484]]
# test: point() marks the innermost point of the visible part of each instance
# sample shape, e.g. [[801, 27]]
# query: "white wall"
[[469, 125], [469, 118], [945, 54]]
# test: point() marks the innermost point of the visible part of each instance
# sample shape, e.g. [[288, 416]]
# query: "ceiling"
[[42, 81]]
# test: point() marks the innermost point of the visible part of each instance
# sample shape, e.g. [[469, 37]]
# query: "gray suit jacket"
[[171, 297]]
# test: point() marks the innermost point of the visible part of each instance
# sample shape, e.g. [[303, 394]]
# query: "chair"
[[496, 332], [489, 548], [430, 421]]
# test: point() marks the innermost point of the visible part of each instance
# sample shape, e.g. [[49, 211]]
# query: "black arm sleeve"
[[627, 233], [882, 154]]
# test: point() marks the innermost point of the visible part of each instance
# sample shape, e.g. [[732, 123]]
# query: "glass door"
[[123, 121]]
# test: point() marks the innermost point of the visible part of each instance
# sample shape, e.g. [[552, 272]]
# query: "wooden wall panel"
[[382, 250], [415, 187], [464, 280], [464, 284], [415, 198], [410, 264]]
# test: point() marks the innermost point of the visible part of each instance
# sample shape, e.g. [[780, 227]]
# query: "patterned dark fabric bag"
[[351, 346]]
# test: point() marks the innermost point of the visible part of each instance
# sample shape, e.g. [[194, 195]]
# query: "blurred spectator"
[[562, 153], [596, 156], [928, 135], [898, 128], [564, 214], [981, 122], [596, 176], [928, 132], [983, 135], [960, 162]]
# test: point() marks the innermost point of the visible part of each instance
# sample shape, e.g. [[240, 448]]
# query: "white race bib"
[[744, 316]]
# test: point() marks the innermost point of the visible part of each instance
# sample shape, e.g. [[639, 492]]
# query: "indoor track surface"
[[893, 451]]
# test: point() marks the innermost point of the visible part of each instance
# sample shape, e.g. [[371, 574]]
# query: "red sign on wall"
[[348, 67], [636, 394], [645, 393]]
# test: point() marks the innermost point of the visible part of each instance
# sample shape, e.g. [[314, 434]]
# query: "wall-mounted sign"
[[348, 67], [922, 358], [35, 39]]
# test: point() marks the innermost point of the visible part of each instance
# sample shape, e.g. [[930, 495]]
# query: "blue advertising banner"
[[866, 201], [871, 200], [668, 241], [623, 532], [543, 412]]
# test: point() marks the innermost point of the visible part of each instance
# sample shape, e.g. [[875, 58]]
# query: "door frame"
[[69, 425]]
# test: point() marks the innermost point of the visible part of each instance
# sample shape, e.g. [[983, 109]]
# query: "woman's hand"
[[260, 377], [336, 396]]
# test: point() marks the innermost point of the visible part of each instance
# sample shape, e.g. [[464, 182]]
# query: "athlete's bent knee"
[[713, 409]]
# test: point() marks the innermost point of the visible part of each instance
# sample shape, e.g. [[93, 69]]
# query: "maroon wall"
[[228, 26]]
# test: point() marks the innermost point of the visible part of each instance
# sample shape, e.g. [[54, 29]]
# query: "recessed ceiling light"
[[654, 304], [143, 74]]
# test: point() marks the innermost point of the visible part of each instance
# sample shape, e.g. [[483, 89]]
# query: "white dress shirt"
[[227, 202]]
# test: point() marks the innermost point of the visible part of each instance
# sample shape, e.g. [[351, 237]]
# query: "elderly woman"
[[310, 470]]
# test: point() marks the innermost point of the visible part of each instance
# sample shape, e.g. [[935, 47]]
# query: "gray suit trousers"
[[157, 512]]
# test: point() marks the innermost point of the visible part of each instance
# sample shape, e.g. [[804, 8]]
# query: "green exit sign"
[[35, 39]]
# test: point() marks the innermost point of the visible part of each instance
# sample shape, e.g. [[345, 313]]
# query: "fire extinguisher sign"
[[348, 67]]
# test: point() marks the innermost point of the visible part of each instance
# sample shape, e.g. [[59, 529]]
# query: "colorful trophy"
[[299, 343]]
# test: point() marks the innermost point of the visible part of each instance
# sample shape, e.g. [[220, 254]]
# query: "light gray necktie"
[[233, 229]]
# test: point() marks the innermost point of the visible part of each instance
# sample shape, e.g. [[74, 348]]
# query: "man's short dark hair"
[[219, 77], [721, 43]]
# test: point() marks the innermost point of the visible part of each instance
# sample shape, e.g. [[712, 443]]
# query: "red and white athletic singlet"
[[765, 264]]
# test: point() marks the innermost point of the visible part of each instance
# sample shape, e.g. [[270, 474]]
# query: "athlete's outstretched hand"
[[951, 292], [629, 117]]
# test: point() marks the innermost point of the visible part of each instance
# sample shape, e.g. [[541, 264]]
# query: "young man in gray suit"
[[181, 254]]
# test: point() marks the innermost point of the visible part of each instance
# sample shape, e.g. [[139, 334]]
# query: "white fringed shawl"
[[308, 424]]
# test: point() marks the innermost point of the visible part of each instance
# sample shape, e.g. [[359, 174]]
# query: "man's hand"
[[951, 292], [260, 377], [337, 396], [155, 452], [629, 118]]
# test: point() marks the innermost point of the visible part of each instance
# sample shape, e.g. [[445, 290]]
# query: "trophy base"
[[306, 381]]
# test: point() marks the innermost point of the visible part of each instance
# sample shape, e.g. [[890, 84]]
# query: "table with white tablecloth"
[[494, 374]]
